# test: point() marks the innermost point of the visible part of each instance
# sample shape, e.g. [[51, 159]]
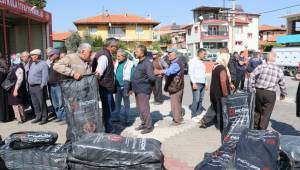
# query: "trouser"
[[157, 90], [120, 95], [57, 101], [176, 106], [38, 98], [214, 115], [106, 99], [264, 105], [19, 112], [298, 101], [240, 80], [143, 107], [198, 96]]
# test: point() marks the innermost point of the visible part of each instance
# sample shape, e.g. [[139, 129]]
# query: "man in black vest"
[[174, 85], [103, 67]]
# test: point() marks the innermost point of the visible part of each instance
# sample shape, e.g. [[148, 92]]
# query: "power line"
[[279, 9]]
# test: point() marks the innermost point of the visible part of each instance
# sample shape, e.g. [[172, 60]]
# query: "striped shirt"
[[267, 77]]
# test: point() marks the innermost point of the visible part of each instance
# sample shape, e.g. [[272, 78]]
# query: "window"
[[196, 29], [116, 31], [92, 30], [189, 31], [139, 29], [250, 35]]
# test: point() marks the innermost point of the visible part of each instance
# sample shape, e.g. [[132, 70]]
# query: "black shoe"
[[141, 127], [35, 121], [43, 122], [20, 122], [202, 124], [147, 130]]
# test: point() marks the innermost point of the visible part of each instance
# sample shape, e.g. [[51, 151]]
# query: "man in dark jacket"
[[104, 68], [142, 84], [254, 62], [232, 67], [241, 70], [174, 85]]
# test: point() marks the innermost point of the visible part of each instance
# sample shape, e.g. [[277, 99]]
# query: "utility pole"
[[233, 26]]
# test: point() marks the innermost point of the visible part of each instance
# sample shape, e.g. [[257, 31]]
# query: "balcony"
[[119, 36], [215, 35], [214, 19]]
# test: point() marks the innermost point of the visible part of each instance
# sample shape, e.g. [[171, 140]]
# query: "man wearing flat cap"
[[37, 80]]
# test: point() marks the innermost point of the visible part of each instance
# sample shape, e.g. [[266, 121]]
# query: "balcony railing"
[[214, 17], [215, 33], [117, 35]]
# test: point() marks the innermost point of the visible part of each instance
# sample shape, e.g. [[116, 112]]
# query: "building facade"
[[131, 29], [268, 34], [213, 28], [23, 27]]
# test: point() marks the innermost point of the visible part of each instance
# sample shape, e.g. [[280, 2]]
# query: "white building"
[[212, 30]]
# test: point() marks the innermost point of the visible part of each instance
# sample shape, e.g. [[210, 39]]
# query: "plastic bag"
[[53, 157], [106, 150], [82, 107], [257, 149], [237, 114], [290, 146], [155, 166], [30, 139], [216, 161]]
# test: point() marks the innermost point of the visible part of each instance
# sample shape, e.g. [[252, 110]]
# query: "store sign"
[[22, 7]]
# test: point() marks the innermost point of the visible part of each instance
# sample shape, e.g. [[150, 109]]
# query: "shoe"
[[141, 127], [202, 124], [177, 123], [35, 121], [20, 122], [147, 130], [183, 111], [57, 120], [43, 122]]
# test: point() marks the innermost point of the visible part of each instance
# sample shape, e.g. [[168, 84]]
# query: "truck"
[[288, 59]]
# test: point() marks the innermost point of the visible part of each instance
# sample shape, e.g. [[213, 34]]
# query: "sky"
[[65, 12]]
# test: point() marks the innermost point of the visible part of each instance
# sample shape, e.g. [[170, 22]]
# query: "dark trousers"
[[143, 107], [38, 98], [214, 115], [157, 90], [264, 104], [176, 106], [298, 101], [240, 80], [106, 99]]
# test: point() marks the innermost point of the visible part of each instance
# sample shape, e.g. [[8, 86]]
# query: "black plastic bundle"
[[290, 151], [82, 107], [257, 149], [114, 151], [30, 139], [53, 157]]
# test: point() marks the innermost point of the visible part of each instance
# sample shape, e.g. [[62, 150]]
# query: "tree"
[[38, 3], [165, 39], [73, 42], [98, 42]]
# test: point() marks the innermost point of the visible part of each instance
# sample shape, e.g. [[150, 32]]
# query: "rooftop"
[[296, 15], [61, 36], [270, 28], [116, 19]]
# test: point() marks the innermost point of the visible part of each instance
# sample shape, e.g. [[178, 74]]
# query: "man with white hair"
[[76, 64], [220, 87], [264, 80]]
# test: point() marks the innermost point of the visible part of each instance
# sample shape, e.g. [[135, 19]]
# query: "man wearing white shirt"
[[197, 75]]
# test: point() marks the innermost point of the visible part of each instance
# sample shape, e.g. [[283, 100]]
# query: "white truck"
[[288, 59]]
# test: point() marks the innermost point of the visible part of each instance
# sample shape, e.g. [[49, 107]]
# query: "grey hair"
[[123, 53], [110, 41], [25, 53], [84, 46]]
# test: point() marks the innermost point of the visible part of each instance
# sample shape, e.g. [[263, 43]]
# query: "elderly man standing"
[[197, 73], [37, 80], [158, 64], [174, 85], [142, 85], [264, 80], [104, 69]]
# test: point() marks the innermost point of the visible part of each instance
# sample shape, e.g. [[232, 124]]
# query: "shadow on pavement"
[[284, 128]]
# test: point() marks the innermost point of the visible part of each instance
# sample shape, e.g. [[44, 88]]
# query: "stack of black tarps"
[[81, 101], [289, 152], [106, 151]]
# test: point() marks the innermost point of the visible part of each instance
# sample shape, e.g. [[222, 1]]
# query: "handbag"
[[7, 84]]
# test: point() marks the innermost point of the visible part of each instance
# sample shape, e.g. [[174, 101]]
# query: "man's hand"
[[232, 87], [77, 76], [195, 86], [130, 93], [15, 93], [206, 87], [157, 72], [282, 97]]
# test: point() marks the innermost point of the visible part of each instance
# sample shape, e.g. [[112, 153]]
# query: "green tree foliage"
[[165, 39], [73, 42], [38, 3], [123, 45], [98, 42]]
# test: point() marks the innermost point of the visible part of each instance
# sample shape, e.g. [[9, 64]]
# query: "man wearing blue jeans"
[[55, 90], [197, 75], [124, 70]]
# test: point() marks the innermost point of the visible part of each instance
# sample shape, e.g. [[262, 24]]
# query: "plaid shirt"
[[267, 76]]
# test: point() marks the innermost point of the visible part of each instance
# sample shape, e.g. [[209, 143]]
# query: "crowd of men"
[[120, 78]]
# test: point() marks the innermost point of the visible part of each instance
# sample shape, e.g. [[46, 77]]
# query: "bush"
[[38, 3], [73, 42]]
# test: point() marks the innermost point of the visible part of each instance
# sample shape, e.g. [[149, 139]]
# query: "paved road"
[[185, 145]]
